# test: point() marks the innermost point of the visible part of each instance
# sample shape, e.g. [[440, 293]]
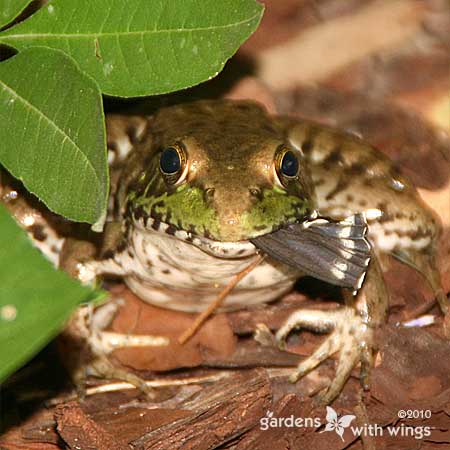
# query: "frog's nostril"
[[255, 192], [210, 192]]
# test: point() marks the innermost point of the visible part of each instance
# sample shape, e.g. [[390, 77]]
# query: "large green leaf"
[[53, 135], [10, 9], [141, 47], [35, 299]]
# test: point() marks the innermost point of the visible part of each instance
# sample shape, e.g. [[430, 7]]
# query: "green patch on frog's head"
[[221, 171], [184, 209], [189, 209]]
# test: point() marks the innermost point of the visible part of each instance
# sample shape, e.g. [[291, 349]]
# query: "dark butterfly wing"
[[335, 252]]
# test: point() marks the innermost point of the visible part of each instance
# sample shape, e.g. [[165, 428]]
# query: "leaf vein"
[[54, 125], [127, 33]]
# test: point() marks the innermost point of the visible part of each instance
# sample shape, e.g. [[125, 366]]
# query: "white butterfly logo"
[[336, 423]]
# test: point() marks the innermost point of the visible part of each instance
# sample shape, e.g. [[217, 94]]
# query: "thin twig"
[[273, 372], [201, 319], [158, 383]]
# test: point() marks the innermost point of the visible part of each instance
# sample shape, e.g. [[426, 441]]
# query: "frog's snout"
[[230, 207], [245, 212]]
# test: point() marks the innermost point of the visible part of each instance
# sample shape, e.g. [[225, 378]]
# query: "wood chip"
[[225, 410], [79, 431]]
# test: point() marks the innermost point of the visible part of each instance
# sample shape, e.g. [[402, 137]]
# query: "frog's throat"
[[188, 212]]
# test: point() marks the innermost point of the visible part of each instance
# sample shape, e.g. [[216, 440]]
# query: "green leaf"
[[142, 47], [54, 138], [10, 9], [35, 298]]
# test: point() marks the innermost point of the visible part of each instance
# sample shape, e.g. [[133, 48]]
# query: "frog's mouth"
[[239, 249], [222, 226], [220, 249]]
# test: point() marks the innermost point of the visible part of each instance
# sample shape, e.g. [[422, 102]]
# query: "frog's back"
[[351, 176]]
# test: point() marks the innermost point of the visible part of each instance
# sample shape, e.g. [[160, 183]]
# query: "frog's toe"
[[348, 358], [102, 342], [264, 336], [101, 367], [106, 341], [367, 359], [316, 320], [351, 337]]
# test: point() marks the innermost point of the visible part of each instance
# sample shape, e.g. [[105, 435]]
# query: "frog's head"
[[218, 171]]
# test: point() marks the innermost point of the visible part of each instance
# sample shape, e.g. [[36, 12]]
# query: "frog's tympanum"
[[193, 184]]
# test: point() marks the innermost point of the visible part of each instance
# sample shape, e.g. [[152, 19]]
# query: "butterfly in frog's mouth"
[[335, 252]]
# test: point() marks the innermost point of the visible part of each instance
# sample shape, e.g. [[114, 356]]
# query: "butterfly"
[[336, 252]]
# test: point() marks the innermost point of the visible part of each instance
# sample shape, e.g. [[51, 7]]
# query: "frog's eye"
[[172, 163], [289, 164], [286, 164]]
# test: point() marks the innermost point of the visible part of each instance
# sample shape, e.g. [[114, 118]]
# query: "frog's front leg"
[[89, 323], [352, 328]]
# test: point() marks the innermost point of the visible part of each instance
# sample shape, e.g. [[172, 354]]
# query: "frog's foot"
[[90, 324], [350, 336]]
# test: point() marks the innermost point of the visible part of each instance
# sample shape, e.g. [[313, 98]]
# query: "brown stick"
[[200, 320]]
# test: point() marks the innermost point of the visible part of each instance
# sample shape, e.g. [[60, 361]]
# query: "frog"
[[194, 183]]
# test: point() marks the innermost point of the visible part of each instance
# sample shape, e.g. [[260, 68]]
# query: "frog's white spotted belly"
[[166, 271]]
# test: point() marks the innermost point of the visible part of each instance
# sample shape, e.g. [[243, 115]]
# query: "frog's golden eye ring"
[[287, 165], [172, 164]]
